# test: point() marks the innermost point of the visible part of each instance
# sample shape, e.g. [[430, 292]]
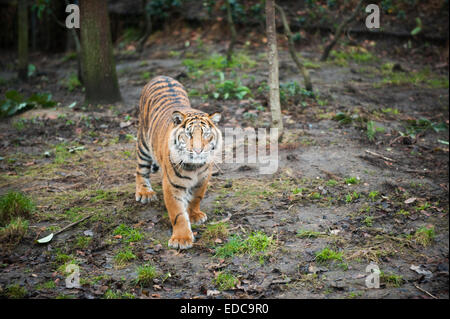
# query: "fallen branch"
[[424, 291], [380, 156], [224, 220], [339, 30], [288, 34]]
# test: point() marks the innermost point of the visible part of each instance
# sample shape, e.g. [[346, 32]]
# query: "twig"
[[222, 220], [73, 224], [424, 291], [380, 156]]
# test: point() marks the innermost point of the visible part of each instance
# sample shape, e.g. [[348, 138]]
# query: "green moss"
[[302, 233], [392, 280]]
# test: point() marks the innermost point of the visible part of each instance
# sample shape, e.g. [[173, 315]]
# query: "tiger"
[[183, 142]]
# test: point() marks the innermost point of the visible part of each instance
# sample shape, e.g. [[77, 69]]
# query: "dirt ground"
[[365, 200]]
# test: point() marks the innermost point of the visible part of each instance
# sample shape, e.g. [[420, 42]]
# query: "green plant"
[[129, 234], [145, 275], [302, 233], [225, 281], [72, 82], [425, 236], [16, 291], [391, 279], [14, 102], [15, 204], [328, 254], [230, 89], [124, 256]]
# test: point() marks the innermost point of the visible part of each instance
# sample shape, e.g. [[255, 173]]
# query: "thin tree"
[[232, 32], [98, 66], [272, 54], [298, 63], [339, 30], [147, 25], [22, 25]]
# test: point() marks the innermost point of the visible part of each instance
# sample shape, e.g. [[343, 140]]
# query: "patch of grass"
[[403, 212], [350, 198], [111, 294], [82, 242], [302, 233], [129, 234], [146, 274], [368, 221], [392, 280], [13, 232], [351, 180], [46, 285], [425, 236], [15, 291], [256, 244], [218, 62], [372, 130], [219, 230], [424, 77], [354, 54], [328, 254], [13, 205], [373, 195], [225, 281], [123, 257], [332, 182]]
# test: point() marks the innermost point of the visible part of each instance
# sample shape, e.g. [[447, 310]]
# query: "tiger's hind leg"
[[145, 166]]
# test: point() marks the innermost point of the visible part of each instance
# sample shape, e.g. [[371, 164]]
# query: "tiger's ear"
[[177, 117], [215, 117]]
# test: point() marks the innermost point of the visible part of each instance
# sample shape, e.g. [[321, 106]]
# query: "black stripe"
[[177, 172], [143, 175], [142, 152], [176, 217], [175, 185], [145, 166], [143, 142]]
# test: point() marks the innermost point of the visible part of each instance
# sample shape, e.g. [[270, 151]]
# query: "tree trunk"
[[272, 54], [232, 32], [339, 30], [98, 66], [147, 26], [22, 26], [300, 66]]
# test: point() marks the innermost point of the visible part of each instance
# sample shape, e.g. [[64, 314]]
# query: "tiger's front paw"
[[181, 242], [197, 217], [145, 195]]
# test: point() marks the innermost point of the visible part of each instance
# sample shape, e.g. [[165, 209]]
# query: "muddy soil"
[[364, 199]]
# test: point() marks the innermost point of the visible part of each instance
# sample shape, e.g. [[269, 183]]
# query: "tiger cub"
[[183, 142]]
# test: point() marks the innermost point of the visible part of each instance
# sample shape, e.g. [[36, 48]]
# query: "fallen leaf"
[[410, 200]]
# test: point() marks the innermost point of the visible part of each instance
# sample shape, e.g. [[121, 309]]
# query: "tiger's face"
[[195, 138]]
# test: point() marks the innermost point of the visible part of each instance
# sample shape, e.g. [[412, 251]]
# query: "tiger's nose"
[[197, 150]]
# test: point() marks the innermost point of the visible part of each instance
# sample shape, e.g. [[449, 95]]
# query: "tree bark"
[[272, 54], [300, 66], [232, 32], [339, 31], [98, 65], [22, 26]]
